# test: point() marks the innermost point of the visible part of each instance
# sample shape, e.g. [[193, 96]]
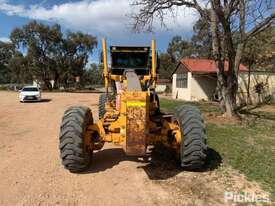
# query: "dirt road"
[[31, 172]]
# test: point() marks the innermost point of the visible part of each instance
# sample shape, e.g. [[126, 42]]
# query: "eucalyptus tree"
[[6, 52], [51, 55], [41, 42], [75, 50]]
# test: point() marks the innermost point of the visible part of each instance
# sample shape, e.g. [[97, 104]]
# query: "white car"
[[29, 93]]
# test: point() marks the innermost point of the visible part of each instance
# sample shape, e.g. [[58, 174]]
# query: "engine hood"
[[29, 93]]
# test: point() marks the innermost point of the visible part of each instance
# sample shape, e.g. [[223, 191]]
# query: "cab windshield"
[[30, 89], [130, 60]]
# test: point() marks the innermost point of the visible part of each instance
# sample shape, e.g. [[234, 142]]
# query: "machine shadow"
[[164, 165], [161, 164], [108, 158]]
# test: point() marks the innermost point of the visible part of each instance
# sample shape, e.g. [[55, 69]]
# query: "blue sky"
[[101, 18]]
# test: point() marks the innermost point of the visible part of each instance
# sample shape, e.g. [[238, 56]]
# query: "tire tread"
[[71, 140], [193, 146]]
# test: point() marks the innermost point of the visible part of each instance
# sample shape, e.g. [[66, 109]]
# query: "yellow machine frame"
[[117, 127], [130, 116]]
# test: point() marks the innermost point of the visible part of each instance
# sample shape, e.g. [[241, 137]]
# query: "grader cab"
[[130, 116]]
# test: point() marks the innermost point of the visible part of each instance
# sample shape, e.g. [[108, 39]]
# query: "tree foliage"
[[19, 70], [93, 75], [6, 52], [202, 39], [199, 46], [167, 66], [260, 51], [51, 55]]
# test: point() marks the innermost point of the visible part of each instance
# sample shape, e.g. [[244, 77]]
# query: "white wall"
[[160, 88], [182, 93], [198, 88], [202, 88], [268, 79]]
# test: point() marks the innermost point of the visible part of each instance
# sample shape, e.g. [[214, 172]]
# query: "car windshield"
[[30, 89]]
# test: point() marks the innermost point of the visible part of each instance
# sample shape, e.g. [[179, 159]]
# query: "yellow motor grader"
[[130, 115]]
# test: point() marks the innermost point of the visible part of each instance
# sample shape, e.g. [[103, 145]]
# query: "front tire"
[[193, 145], [75, 155]]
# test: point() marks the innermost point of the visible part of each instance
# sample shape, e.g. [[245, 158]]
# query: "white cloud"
[[5, 39], [102, 17], [11, 9]]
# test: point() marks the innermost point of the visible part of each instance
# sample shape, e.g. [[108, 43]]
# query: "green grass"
[[260, 114], [170, 105], [249, 148]]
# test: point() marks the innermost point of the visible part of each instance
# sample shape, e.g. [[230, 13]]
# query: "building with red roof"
[[204, 66], [196, 79]]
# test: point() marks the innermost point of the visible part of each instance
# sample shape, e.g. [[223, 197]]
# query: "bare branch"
[[151, 9], [268, 21]]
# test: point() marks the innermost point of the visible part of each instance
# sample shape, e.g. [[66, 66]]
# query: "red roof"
[[163, 80], [206, 66]]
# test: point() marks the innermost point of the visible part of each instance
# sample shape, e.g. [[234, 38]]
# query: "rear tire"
[[101, 105], [74, 153], [193, 145]]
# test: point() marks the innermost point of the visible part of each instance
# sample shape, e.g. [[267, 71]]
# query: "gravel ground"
[[31, 172]]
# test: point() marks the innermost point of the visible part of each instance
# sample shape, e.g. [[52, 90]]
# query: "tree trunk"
[[48, 84], [56, 80], [229, 96], [228, 102], [224, 90], [248, 84]]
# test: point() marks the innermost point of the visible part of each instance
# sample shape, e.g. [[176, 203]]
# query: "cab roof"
[[130, 49]]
